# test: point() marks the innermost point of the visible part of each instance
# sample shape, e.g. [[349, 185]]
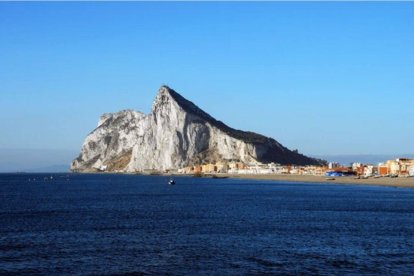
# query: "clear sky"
[[325, 78]]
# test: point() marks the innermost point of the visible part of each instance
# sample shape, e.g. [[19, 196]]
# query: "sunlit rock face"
[[175, 134]]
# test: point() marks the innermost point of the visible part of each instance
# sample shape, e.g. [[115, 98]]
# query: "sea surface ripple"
[[120, 224]]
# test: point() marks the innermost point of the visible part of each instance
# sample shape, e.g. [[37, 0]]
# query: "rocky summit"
[[174, 135]]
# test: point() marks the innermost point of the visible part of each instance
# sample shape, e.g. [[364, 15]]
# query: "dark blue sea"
[[120, 224]]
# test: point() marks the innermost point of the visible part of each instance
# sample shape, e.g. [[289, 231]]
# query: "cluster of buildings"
[[398, 167], [253, 168]]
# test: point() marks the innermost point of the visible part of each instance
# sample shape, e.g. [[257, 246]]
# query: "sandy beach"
[[406, 182]]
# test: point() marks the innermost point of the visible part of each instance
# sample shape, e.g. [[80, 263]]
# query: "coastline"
[[400, 182]]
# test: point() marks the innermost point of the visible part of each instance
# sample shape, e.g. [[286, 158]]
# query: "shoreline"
[[400, 182]]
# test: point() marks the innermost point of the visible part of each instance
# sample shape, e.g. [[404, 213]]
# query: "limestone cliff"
[[175, 134]]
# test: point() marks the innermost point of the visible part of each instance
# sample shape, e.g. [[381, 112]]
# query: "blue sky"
[[326, 78]]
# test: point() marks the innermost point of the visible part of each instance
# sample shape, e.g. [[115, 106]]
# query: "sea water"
[[116, 224]]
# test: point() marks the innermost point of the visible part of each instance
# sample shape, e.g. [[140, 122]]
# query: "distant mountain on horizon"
[[35, 160], [346, 159], [50, 169], [176, 134]]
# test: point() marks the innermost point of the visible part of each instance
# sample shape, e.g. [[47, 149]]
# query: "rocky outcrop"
[[175, 134]]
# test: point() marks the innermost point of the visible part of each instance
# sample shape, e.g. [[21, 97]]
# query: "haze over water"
[[107, 224]]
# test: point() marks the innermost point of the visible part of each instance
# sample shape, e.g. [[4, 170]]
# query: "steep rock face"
[[175, 134]]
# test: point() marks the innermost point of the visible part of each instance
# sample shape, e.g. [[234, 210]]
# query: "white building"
[[355, 166], [368, 170], [332, 165], [411, 171], [394, 167]]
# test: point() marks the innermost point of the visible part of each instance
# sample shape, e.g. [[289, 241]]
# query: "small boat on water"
[[171, 182]]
